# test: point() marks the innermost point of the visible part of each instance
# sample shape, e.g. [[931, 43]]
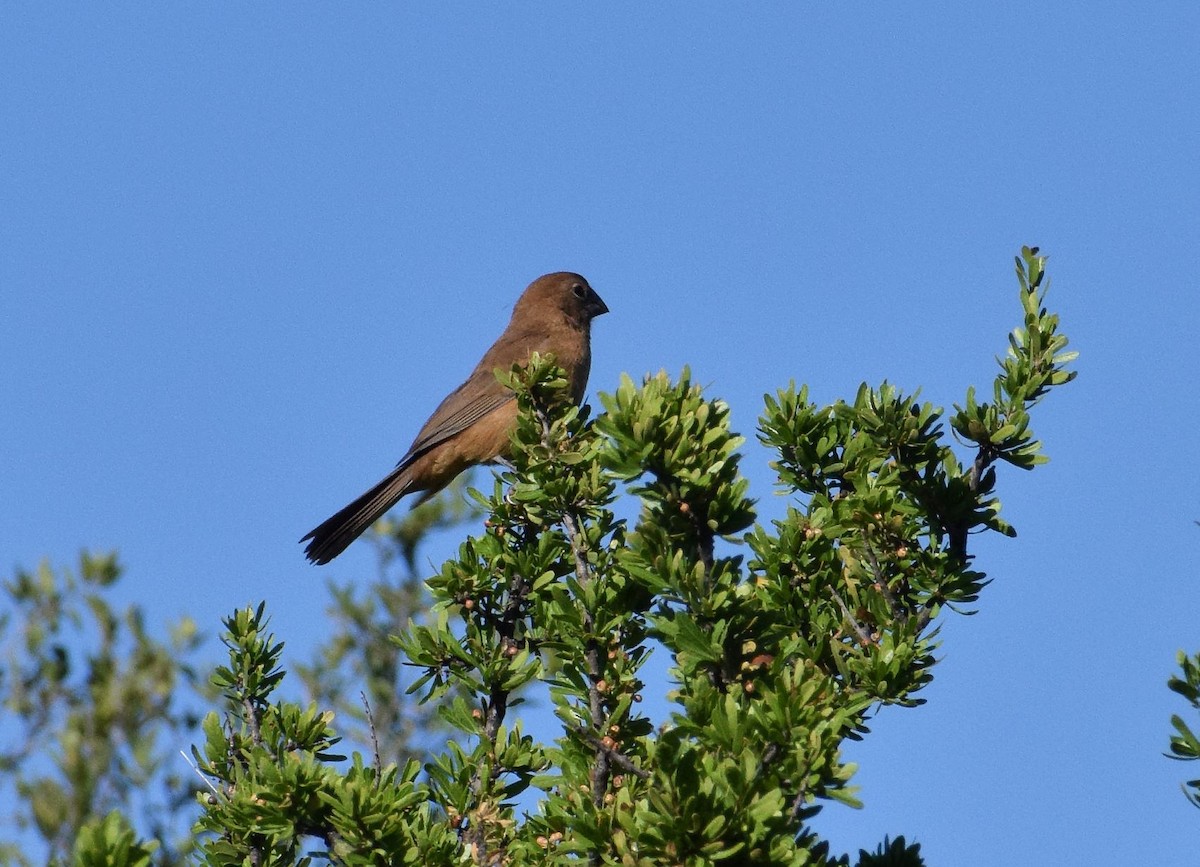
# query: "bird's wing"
[[452, 417], [482, 392]]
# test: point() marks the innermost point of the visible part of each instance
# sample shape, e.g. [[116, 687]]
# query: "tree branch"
[[592, 653]]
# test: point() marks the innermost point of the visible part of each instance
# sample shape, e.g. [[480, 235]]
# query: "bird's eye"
[[578, 291]]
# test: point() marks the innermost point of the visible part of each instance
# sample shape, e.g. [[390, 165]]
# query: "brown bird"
[[471, 426]]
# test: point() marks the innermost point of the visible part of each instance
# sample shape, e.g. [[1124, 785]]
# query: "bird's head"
[[563, 291]]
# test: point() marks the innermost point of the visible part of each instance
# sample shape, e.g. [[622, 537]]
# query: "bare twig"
[[798, 803], [984, 458], [199, 773], [769, 756], [496, 709], [506, 628], [862, 633], [252, 720], [881, 582], [374, 737]]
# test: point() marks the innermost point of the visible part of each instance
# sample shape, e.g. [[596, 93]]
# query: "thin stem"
[[374, 737], [252, 720], [862, 633], [602, 771], [618, 758]]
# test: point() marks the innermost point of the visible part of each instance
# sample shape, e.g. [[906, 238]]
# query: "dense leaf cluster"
[[275, 785]]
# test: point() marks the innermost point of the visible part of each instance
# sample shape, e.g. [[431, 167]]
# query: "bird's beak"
[[595, 304]]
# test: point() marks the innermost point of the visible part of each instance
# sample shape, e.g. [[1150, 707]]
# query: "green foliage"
[[1185, 746], [93, 703], [878, 545], [892, 853], [783, 639], [273, 784], [96, 708], [1035, 363], [111, 842]]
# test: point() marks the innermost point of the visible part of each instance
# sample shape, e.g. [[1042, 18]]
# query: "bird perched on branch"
[[471, 426]]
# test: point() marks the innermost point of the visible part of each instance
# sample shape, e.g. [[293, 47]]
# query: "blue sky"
[[244, 250]]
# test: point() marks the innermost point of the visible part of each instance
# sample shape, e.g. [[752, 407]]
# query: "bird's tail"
[[332, 536]]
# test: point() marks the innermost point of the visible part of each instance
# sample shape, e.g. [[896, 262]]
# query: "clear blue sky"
[[244, 250]]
